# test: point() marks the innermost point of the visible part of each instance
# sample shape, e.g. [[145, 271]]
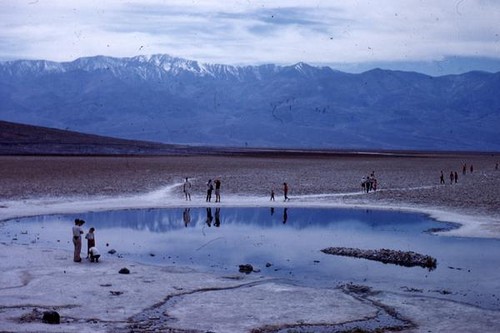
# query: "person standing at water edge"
[[285, 191], [90, 237], [217, 190], [187, 189], [77, 239], [368, 183], [210, 188]]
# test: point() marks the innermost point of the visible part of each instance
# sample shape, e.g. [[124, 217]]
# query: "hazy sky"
[[423, 35]]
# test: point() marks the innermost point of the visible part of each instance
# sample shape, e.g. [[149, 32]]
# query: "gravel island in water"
[[401, 258]]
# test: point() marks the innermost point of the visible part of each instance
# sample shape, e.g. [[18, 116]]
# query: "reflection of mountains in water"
[[164, 220]]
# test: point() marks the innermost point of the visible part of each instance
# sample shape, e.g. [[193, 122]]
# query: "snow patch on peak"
[[31, 67], [304, 68], [94, 63]]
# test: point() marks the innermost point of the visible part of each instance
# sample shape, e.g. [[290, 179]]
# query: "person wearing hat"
[[77, 239]]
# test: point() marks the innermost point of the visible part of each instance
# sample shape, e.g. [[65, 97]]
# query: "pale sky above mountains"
[[430, 36]]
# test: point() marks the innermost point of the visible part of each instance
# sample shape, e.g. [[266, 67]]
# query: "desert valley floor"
[[38, 279]]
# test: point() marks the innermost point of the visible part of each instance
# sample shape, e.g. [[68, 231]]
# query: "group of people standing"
[[210, 189], [216, 184], [369, 183], [92, 252], [454, 174]]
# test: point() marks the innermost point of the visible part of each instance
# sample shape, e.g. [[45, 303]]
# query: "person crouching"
[[94, 254]]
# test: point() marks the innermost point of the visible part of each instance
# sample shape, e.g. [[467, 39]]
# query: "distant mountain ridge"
[[173, 100]]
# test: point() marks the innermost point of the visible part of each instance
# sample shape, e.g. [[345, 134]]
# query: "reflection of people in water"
[[285, 215], [186, 216], [209, 217], [217, 217], [272, 211], [187, 189]]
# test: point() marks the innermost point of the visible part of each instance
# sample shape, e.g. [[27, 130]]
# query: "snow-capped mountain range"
[[172, 100]]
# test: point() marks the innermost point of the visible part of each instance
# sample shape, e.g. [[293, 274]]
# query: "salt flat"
[[40, 278]]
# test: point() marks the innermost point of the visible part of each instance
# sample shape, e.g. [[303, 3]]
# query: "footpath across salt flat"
[[168, 197]]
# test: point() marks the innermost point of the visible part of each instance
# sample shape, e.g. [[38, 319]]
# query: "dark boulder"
[[247, 268], [51, 317], [124, 270]]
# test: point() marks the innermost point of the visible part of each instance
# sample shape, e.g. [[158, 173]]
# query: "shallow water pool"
[[285, 243]]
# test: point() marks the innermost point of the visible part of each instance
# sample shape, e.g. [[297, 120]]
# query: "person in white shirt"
[[94, 254], [77, 239]]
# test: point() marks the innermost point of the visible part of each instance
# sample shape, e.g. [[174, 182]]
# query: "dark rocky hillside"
[[19, 139]]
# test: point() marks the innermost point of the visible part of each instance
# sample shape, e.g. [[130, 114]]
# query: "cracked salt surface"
[[46, 278]]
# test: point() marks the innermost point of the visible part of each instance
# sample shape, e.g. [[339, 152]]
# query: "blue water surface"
[[286, 243]]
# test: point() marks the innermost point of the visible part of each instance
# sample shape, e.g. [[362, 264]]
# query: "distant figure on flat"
[[210, 188], [285, 191], [217, 190], [441, 178], [272, 195]]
